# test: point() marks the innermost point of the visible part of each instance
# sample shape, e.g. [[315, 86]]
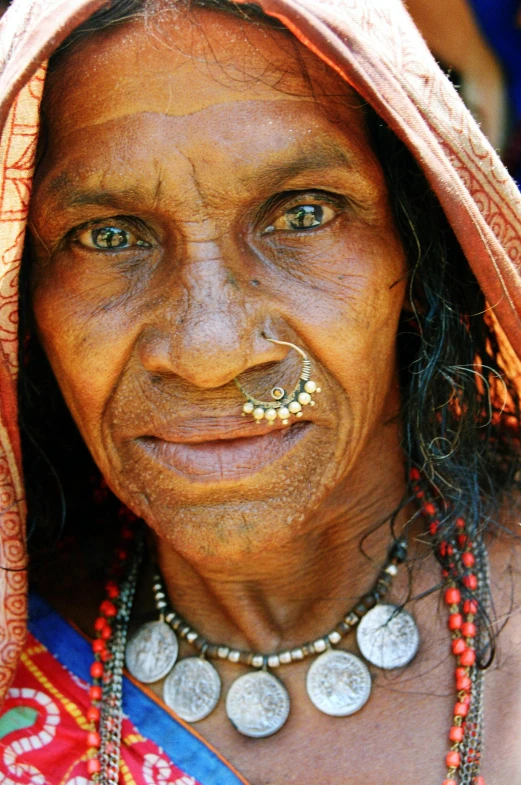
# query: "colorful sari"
[[43, 722]]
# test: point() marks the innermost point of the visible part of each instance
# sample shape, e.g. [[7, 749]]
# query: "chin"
[[229, 528]]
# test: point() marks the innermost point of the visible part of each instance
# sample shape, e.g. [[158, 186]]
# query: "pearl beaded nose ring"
[[284, 404]]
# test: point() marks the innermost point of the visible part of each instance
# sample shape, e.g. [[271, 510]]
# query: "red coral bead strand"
[[461, 624], [103, 627]]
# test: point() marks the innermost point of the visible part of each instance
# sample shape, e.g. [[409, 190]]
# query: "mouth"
[[229, 454]]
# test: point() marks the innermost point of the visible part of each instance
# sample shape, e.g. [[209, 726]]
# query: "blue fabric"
[[497, 20], [74, 652]]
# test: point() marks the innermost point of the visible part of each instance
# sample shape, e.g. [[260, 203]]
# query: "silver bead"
[[257, 661], [304, 398], [334, 637], [310, 387], [391, 569], [285, 657], [222, 652], [320, 645], [273, 661], [234, 655], [297, 654]]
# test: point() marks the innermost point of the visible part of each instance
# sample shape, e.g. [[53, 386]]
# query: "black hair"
[[456, 428]]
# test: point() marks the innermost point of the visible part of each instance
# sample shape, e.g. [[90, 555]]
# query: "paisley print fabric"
[[43, 723]]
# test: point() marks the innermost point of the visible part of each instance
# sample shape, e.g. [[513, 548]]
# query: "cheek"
[[86, 343], [347, 299]]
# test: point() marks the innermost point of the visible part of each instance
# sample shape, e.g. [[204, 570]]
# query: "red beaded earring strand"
[[459, 570]]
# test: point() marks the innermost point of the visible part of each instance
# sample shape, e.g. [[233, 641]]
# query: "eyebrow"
[[324, 155], [78, 197]]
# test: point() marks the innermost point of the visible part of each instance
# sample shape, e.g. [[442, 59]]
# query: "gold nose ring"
[[284, 404]]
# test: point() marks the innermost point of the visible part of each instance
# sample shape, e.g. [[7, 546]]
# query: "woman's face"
[[207, 183]]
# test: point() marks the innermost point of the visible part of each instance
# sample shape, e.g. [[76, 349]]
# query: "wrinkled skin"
[[240, 204], [146, 340]]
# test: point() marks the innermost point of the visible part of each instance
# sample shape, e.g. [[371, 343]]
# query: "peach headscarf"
[[374, 45]]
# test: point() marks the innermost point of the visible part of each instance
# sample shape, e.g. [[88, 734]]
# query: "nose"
[[208, 329]]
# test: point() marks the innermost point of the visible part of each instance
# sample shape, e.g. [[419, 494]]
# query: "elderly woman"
[[267, 375]]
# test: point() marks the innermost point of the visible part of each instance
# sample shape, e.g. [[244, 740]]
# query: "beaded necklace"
[[464, 570]]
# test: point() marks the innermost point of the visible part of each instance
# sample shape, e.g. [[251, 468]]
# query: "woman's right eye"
[[109, 238]]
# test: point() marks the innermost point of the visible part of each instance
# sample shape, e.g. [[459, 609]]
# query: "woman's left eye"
[[109, 238], [303, 217]]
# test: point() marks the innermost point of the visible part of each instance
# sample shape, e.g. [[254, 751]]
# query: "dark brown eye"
[[109, 238], [303, 217]]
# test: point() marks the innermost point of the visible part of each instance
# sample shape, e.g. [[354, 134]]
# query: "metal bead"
[[248, 407], [294, 407], [320, 645], [278, 393], [398, 552], [234, 655], [304, 398], [391, 569], [334, 637], [297, 654], [222, 652], [285, 657], [310, 387], [270, 414], [351, 619], [258, 413], [192, 635], [284, 412], [273, 661], [257, 661]]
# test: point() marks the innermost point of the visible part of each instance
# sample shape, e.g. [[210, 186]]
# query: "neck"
[[287, 592]]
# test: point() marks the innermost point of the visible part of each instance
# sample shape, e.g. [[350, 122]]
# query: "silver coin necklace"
[[338, 682]]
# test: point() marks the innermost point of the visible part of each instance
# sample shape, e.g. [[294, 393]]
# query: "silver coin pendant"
[[192, 689], [338, 683], [151, 652], [388, 637], [257, 704]]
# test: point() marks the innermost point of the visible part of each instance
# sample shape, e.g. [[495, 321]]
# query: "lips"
[[221, 450]]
